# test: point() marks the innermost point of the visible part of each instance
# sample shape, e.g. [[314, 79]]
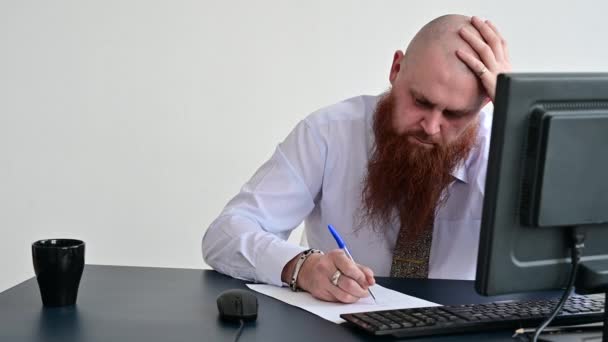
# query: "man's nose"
[[431, 123]]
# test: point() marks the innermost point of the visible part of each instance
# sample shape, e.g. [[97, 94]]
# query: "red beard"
[[406, 179]]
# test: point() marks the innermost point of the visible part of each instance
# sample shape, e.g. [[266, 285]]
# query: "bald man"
[[400, 176]]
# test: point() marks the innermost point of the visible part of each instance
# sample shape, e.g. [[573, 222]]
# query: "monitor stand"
[[592, 277]]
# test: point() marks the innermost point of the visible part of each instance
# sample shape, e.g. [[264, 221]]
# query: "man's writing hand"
[[316, 274]]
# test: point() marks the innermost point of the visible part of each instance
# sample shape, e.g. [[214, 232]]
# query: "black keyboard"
[[439, 320]]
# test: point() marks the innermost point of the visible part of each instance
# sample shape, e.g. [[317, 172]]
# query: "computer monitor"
[[547, 171]]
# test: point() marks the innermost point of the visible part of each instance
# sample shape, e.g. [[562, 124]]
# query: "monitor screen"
[[547, 171]]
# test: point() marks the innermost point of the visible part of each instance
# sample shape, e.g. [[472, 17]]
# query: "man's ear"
[[396, 66]]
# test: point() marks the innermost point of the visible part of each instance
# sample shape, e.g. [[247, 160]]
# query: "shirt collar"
[[461, 170]]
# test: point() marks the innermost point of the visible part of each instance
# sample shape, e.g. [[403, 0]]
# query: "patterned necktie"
[[411, 256]]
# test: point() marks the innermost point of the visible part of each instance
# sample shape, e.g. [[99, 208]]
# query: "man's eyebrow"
[[422, 98], [460, 112]]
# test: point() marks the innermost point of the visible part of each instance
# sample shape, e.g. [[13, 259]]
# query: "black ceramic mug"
[[58, 264]]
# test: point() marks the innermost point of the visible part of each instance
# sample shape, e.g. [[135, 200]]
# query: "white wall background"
[[129, 124]]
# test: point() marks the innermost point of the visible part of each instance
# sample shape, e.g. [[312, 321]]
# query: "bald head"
[[440, 37]]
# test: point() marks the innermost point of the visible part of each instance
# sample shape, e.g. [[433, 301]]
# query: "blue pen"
[[342, 246]]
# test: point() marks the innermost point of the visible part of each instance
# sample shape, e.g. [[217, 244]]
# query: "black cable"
[[577, 241], [605, 329], [238, 332]]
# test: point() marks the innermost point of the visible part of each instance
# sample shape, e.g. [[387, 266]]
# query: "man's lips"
[[420, 141]]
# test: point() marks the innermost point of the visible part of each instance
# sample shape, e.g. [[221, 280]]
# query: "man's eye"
[[421, 103], [453, 115]]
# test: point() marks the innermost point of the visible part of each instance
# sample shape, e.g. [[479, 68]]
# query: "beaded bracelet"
[[296, 270]]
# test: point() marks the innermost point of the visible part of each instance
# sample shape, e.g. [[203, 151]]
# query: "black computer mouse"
[[237, 304]]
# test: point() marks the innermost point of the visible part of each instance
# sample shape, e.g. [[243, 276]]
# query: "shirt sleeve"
[[248, 239]]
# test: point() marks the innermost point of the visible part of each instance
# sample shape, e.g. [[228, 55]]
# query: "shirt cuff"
[[271, 261]]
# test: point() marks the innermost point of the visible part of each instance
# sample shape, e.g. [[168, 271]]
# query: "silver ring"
[[482, 71], [335, 277]]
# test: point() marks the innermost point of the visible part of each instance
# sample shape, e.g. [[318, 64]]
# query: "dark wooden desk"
[[162, 304]]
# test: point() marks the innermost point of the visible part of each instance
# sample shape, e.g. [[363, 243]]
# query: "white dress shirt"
[[315, 175]]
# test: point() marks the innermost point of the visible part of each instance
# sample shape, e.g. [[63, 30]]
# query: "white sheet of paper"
[[387, 299]]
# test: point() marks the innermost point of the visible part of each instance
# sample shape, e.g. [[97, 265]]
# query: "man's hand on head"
[[352, 282], [492, 50]]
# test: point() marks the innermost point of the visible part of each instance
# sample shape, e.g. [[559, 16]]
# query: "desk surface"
[[161, 304]]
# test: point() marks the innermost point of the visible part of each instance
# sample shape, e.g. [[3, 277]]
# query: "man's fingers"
[[346, 291], [369, 274], [492, 51], [473, 63], [325, 295], [341, 295], [490, 36], [352, 283], [503, 41], [351, 287], [479, 45], [488, 79], [350, 269]]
